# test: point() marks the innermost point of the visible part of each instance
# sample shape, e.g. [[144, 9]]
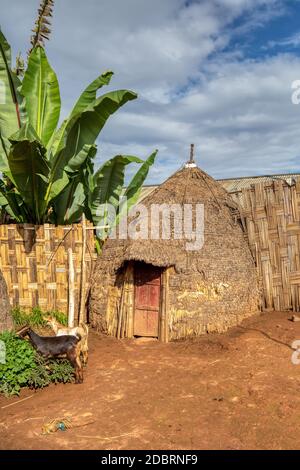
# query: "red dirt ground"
[[239, 390]]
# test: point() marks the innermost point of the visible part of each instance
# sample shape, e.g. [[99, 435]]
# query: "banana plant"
[[48, 169], [10, 102]]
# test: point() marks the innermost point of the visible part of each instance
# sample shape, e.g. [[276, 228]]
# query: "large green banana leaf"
[[13, 204], [92, 121], [30, 170], [10, 114], [108, 186], [59, 178], [41, 90], [69, 205], [82, 131], [87, 98], [133, 190], [53, 170], [4, 149], [79, 160]]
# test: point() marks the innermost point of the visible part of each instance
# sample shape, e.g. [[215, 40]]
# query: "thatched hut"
[[158, 287]]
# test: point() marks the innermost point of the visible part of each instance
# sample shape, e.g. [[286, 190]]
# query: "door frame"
[[144, 268], [164, 310], [163, 304]]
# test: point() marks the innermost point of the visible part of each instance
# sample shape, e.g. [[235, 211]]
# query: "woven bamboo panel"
[[272, 215], [34, 263]]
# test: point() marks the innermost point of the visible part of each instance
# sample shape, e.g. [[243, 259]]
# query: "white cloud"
[[293, 41], [242, 122], [238, 112]]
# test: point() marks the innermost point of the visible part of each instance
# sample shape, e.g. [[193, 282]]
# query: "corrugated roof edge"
[[232, 185]]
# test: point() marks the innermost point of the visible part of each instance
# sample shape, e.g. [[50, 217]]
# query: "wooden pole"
[[164, 308], [71, 286], [81, 318], [167, 305], [130, 301], [162, 323], [120, 313], [192, 154], [124, 328]]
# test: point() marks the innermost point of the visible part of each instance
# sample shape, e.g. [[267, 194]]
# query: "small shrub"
[[36, 317], [33, 318], [24, 367], [60, 371], [18, 316], [19, 361], [59, 316], [39, 377]]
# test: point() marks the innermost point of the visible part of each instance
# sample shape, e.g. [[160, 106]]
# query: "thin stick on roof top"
[[191, 162]]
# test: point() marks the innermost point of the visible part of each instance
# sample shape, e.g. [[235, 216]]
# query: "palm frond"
[[42, 25]]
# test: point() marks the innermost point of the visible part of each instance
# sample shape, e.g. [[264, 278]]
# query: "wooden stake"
[[83, 274], [167, 305], [16, 402], [120, 314], [71, 292], [124, 329], [130, 300], [163, 333]]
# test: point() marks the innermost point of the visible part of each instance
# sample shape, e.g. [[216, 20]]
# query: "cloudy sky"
[[217, 73]]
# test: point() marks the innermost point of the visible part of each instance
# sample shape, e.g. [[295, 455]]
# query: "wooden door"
[[147, 280]]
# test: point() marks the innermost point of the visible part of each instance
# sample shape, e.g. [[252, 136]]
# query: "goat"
[[82, 330], [54, 346]]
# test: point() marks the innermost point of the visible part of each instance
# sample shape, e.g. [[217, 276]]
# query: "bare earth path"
[[233, 391]]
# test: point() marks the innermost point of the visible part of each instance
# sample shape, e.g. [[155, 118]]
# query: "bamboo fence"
[[271, 213], [34, 262]]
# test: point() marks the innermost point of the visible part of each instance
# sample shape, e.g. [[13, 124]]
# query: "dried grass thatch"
[[210, 289]]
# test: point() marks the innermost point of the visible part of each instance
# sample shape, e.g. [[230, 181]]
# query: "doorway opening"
[[147, 300]]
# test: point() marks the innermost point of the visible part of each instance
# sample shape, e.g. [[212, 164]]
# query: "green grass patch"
[[36, 317]]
